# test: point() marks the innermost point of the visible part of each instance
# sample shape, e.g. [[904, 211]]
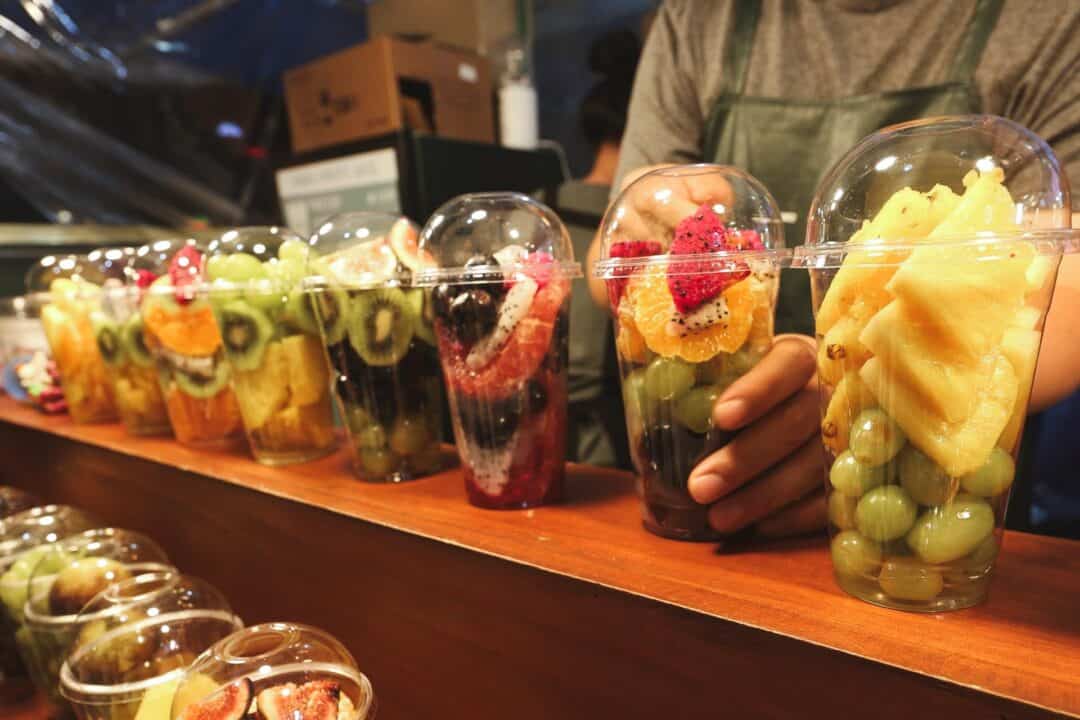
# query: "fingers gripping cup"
[[933, 248], [377, 329], [279, 372], [275, 671], [136, 638], [691, 257], [500, 294]]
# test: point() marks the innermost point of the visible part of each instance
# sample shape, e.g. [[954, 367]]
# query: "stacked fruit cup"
[[377, 330], [72, 290], [136, 638], [271, 340], [933, 254], [503, 264], [67, 577], [283, 671], [25, 538], [180, 331], [691, 257], [14, 686]]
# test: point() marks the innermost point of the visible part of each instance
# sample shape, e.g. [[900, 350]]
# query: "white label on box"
[[467, 72], [365, 181]]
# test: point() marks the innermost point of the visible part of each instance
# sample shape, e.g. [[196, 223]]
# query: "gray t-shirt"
[[826, 49]]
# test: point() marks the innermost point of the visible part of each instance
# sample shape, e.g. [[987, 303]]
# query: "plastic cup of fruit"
[[21, 332], [137, 637], [286, 670], [691, 257], [68, 576], [279, 371], [500, 297], [933, 254], [21, 534], [182, 336], [377, 330]]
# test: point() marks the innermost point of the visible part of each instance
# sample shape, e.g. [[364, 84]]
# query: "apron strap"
[[974, 42], [739, 44]]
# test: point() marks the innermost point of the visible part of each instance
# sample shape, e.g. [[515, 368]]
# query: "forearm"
[[1058, 373]]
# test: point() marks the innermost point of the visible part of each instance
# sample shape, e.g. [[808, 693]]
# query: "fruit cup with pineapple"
[[377, 329], [279, 371], [179, 330], [691, 256], [933, 248], [69, 289], [500, 294]]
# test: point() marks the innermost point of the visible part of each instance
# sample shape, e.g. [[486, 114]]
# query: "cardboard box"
[[474, 25], [376, 88]]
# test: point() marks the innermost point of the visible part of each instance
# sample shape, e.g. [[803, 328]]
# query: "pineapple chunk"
[[985, 206], [1027, 318], [1021, 346], [309, 378], [840, 350], [959, 448], [265, 390], [849, 398], [1038, 273]]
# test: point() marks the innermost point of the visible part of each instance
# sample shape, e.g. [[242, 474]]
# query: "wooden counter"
[[571, 611]]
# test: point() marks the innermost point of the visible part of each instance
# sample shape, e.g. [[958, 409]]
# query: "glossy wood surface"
[[570, 611]]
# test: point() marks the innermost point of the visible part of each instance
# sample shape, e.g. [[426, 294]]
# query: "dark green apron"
[[790, 144]]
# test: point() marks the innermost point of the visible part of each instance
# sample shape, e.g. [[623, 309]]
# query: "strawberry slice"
[[695, 282], [184, 271], [144, 279], [627, 249]]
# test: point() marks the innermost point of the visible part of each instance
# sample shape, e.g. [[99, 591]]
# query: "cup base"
[[953, 597], [678, 523], [291, 457]]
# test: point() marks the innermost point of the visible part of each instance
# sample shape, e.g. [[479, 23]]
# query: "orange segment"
[[654, 313], [629, 342], [190, 331]]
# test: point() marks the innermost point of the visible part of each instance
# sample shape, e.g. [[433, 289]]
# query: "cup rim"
[[620, 267], [481, 274], [39, 621]]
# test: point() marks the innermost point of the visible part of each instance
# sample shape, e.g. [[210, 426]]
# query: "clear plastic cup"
[[21, 333], [933, 248], [378, 333], [691, 257], [287, 670], [68, 576], [68, 291], [137, 637], [500, 297], [279, 371], [181, 334]]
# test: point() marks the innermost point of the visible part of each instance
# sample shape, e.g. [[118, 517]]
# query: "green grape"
[[925, 481], [638, 403], [976, 564], [908, 579], [993, 478], [885, 513], [373, 437], [947, 533], [286, 272], [265, 294], [294, 250], [357, 418], [854, 478], [875, 437], [379, 461], [842, 510], [853, 554], [694, 409], [668, 378], [409, 436], [215, 267], [242, 267]]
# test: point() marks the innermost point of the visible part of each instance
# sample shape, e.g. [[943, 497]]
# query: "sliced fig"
[[229, 703], [403, 241], [315, 700]]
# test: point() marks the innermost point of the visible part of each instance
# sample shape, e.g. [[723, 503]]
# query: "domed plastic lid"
[[76, 569], [948, 179], [39, 526], [290, 671], [475, 236], [364, 250], [14, 500], [268, 259], [169, 268], [141, 633], [69, 280]]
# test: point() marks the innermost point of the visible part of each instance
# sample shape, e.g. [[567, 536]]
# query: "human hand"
[[771, 473]]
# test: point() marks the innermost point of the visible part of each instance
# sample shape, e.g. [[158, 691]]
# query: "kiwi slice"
[[381, 325], [131, 335], [326, 307], [202, 386], [107, 337], [423, 314], [244, 333]]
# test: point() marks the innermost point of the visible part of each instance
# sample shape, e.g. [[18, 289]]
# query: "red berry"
[[627, 249]]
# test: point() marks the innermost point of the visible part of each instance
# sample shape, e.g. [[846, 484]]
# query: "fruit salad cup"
[[500, 296], [181, 334], [691, 257], [137, 637], [68, 576], [279, 371], [933, 254], [21, 333], [276, 671], [378, 333]]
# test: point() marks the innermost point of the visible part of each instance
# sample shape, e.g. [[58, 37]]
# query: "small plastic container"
[[279, 371], [21, 333], [500, 297], [378, 333], [137, 639], [289, 670], [181, 334], [691, 257], [933, 248], [68, 576]]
